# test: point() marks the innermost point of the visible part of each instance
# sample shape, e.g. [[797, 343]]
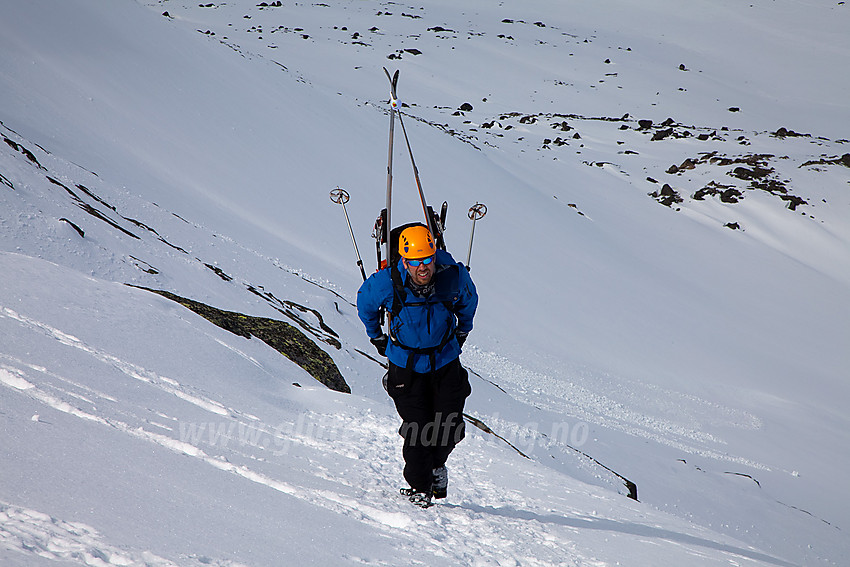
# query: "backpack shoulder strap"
[[447, 290], [398, 290]]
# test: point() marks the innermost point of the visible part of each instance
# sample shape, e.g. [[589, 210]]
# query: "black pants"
[[431, 409]]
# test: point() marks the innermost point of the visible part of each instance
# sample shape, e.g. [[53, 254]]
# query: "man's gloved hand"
[[381, 344], [461, 338]]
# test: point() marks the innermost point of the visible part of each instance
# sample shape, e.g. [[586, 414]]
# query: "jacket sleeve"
[[373, 293], [467, 302]]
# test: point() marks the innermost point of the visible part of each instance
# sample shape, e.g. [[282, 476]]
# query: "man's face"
[[421, 274]]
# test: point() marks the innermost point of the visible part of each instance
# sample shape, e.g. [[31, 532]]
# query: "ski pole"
[[416, 176], [341, 196], [476, 212]]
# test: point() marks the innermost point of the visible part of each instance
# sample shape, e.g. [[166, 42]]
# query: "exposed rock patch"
[[279, 335], [667, 196]]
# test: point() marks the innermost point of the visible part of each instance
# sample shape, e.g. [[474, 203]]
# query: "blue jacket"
[[423, 324]]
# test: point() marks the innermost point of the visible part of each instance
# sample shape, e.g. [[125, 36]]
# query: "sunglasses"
[[415, 263]]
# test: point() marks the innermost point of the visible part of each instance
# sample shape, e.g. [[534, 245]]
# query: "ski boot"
[[440, 485], [416, 497]]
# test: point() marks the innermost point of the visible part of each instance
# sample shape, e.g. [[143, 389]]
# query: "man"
[[430, 300]]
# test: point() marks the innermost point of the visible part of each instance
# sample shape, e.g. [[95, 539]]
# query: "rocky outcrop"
[[281, 336]]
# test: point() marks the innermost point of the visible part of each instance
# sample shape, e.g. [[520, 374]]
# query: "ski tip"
[[393, 78]]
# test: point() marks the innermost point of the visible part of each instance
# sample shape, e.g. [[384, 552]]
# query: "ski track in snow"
[[361, 502], [132, 370], [457, 531], [567, 398], [30, 532]]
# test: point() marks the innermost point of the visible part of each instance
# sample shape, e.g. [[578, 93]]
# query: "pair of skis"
[[383, 225], [395, 108]]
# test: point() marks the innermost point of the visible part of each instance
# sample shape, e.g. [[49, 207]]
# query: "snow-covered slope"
[[225, 461], [697, 349]]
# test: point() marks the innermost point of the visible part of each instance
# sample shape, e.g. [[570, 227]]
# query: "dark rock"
[[793, 201], [784, 133], [730, 195], [661, 134], [279, 335], [6, 182], [688, 164], [219, 272], [749, 174], [19, 148], [843, 160], [770, 185], [666, 196], [74, 226]]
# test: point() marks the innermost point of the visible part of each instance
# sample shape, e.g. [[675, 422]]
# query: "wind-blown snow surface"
[[191, 148]]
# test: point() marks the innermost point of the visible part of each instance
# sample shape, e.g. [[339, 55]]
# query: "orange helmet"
[[415, 242]]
